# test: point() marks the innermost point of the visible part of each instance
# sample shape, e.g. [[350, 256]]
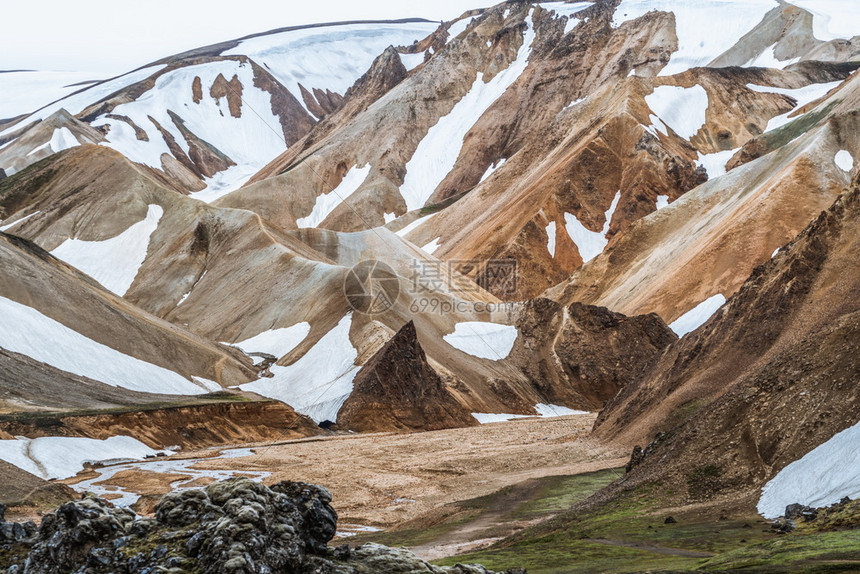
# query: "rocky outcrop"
[[398, 390], [583, 355], [190, 426], [232, 527], [771, 376]]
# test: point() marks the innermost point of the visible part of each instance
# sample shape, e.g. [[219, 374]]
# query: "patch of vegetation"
[[818, 552], [789, 132], [684, 412], [559, 493]]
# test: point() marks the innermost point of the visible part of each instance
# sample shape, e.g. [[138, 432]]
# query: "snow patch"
[[63, 457], [458, 27], [768, 59], [715, 163], [414, 225], [803, 96], [412, 61], [275, 342], [698, 316], [590, 243], [550, 241], [113, 262], [662, 201], [328, 202], [543, 410], [389, 217], [17, 221], [438, 151], [828, 473], [490, 170], [844, 160], [568, 11], [682, 109], [63, 139], [700, 41], [26, 331], [320, 381], [207, 384], [832, 19], [483, 340], [431, 247]]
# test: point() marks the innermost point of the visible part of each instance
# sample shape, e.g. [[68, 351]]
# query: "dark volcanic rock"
[[399, 390], [236, 526]]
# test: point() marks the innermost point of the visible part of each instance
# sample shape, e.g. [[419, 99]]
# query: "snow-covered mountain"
[[516, 211]]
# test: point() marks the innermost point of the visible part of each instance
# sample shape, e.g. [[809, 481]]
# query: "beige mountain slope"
[[199, 257], [711, 239], [33, 278], [570, 141], [771, 376]]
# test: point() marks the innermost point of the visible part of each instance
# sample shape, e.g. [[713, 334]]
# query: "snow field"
[[590, 243], [483, 340], [113, 262], [698, 316], [27, 330]]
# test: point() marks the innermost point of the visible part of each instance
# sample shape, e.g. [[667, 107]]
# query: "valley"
[[547, 286]]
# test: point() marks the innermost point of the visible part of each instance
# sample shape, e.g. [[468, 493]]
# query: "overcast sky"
[[114, 36]]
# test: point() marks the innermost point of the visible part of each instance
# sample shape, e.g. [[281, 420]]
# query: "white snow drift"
[[824, 476], [276, 342], [698, 316], [320, 381], [804, 96], [26, 331], [844, 160], [590, 243], [483, 340], [64, 457], [328, 202], [438, 151], [682, 109], [544, 411], [113, 262]]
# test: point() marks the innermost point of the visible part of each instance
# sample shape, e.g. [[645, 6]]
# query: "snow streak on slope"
[[803, 96], [438, 151], [682, 109], [25, 92], [75, 104], [832, 19], [822, 477], [662, 201], [550, 241], [414, 225], [768, 59], [17, 221], [698, 316], [567, 10], [251, 140], [318, 383], [705, 28], [276, 342], [31, 333], [483, 340], [64, 457], [113, 262], [328, 202], [329, 57], [544, 411], [590, 243]]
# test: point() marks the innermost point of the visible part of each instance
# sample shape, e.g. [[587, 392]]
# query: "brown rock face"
[[767, 379], [399, 390], [584, 354], [191, 427]]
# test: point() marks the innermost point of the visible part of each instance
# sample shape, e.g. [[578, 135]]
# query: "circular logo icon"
[[371, 287]]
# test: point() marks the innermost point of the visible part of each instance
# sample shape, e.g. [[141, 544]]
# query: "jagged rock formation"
[[772, 375], [398, 390], [235, 526], [584, 354]]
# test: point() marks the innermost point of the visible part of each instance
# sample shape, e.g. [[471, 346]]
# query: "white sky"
[[110, 37]]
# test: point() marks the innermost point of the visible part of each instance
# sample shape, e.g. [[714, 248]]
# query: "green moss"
[[828, 551], [791, 131]]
